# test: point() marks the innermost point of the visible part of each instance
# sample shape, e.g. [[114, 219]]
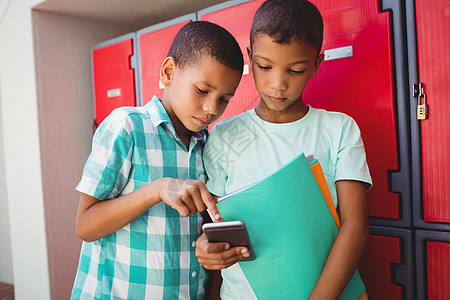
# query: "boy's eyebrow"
[[213, 87], [208, 84], [305, 61]]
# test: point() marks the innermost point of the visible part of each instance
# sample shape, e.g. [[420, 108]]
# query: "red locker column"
[[362, 86], [376, 265], [114, 77], [438, 270], [238, 20], [433, 42], [433, 264], [154, 45], [386, 265]]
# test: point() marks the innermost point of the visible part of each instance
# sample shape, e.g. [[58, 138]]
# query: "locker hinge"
[[133, 62], [422, 109]]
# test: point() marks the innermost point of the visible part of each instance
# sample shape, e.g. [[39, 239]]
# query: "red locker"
[[153, 44], [237, 20], [433, 42], [113, 75], [433, 264], [377, 275], [438, 269], [360, 83], [386, 264]]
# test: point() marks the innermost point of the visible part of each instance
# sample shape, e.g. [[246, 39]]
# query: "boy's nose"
[[211, 106], [279, 83]]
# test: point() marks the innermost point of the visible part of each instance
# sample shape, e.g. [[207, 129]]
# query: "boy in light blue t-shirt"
[[142, 187], [285, 43]]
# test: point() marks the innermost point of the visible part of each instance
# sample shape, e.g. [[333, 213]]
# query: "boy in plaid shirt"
[[142, 186]]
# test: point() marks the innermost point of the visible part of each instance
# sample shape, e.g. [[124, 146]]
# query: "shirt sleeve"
[[213, 155], [108, 167], [351, 161]]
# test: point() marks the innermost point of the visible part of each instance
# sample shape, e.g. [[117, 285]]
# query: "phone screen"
[[231, 232]]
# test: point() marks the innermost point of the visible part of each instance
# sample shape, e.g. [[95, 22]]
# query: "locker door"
[[113, 75], [433, 264], [237, 19], [386, 264], [153, 44], [433, 43], [360, 85], [357, 78]]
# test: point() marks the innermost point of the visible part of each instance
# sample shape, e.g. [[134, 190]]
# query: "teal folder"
[[292, 232]]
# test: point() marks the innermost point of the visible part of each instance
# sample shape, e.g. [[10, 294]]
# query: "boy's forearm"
[[96, 219], [342, 261], [349, 244], [213, 285]]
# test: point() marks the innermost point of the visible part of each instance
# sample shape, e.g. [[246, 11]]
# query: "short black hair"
[[199, 38], [289, 20]]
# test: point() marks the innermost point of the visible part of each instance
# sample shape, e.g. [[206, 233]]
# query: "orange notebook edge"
[[321, 182], [320, 178], [363, 296]]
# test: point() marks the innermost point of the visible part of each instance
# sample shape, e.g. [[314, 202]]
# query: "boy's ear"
[[167, 70], [317, 63], [249, 53]]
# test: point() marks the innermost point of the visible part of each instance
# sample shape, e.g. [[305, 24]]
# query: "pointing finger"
[[209, 201]]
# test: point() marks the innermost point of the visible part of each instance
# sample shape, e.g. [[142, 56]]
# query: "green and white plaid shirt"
[[153, 257]]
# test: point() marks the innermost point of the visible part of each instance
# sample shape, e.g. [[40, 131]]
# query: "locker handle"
[[338, 53]]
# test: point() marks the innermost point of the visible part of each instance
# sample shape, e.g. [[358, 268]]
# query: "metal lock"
[[422, 109]]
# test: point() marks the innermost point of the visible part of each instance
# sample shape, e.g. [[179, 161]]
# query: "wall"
[[21, 152], [64, 86], [6, 269]]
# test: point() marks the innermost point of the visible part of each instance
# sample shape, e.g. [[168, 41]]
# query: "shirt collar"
[[158, 115]]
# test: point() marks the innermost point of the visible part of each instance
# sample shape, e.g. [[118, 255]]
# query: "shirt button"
[[193, 244], [194, 274]]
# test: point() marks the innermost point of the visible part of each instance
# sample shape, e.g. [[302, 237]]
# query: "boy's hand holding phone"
[[218, 256], [223, 244]]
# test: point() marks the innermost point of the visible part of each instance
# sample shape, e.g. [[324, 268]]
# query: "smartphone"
[[231, 232]]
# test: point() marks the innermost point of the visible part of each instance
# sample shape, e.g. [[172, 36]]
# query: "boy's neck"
[[295, 112], [182, 132]]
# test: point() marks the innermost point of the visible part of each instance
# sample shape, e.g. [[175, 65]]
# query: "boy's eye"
[[224, 100], [297, 72], [201, 91], [263, 67]]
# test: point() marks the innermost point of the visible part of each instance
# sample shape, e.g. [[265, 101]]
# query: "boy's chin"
[[194, 127], [278, 107]]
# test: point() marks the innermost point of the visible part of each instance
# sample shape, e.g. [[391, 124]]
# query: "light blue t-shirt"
[[245, 149]]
